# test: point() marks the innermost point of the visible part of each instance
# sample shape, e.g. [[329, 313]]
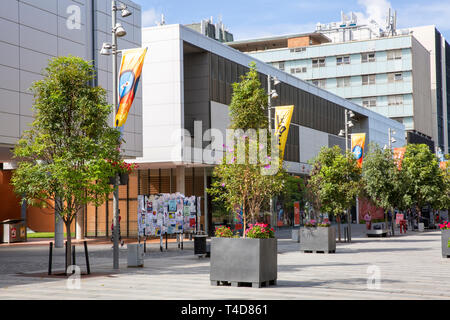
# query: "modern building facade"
[[439, 49], [186, 92], [34, 31], [388, 75], [212, 30]]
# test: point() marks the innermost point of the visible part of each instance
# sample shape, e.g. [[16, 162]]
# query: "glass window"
[[394, 54], [343, 60], [396, 76], [343, 82], [368, 57], [316, 63], [321, 83], [369, 102], [368, 79], [281, 66], [395, 100]]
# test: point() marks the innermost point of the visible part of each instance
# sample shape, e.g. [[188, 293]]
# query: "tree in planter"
[[424, 181], [383, 182], [240, 180], [335, 182], [65, 159], [294, 191]]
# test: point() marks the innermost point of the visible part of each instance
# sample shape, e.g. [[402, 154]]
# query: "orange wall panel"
[[9, 202]]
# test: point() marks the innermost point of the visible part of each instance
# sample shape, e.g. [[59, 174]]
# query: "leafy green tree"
[[382, 180], [63, 158], [424, 181], [335, 182], [240, 180], [294, 191]]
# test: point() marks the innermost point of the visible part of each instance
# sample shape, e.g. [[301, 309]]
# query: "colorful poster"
[[130, 74], [358, 141], [399, 154], [187, 210], [172, 205], [283, 116]]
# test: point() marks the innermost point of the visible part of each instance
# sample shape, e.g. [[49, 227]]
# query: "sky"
[[249, 19]]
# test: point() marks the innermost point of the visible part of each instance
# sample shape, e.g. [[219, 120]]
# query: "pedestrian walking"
[[368, 219]]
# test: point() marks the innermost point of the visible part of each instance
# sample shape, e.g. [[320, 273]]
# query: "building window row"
[[298, 70], [302, 49], [393, 100], [341, 82], [365, 58]]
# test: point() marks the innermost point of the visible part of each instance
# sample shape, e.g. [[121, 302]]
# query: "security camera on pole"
[[271, 93]]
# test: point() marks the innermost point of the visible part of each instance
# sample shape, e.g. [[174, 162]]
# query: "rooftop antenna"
[[162, 22]]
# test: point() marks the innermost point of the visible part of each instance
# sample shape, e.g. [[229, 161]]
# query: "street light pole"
[[114, 99], [271, 93]]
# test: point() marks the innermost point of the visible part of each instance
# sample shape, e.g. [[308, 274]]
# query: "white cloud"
[[150, 17], [376, 10]]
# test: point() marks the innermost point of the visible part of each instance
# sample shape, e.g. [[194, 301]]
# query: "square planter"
[[445, 236], [239, 260], [320, 239]]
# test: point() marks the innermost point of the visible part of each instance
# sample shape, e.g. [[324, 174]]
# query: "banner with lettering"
[[399, 154], [283, 116]]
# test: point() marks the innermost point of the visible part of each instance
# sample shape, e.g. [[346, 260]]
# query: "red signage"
[[296, 214], [13, 233]]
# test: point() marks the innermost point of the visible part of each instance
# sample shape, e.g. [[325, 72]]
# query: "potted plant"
[[316, 237], [124, 169], [244, 260], [445, 239]]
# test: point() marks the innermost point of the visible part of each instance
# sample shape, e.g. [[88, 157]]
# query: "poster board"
[[165, 214]]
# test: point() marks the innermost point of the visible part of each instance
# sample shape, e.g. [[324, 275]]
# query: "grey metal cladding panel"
[[26, 104], [48, 5], [38, 19], [10, 10], [9, 78], [9, 101], [101, 22], [25, 123], [12, 36], [72, 34], [27, 79], [103, 6], [9, 125], [336, 141], [9, 55], [38, 40], [33, 61], [64, 7], [66, 47]]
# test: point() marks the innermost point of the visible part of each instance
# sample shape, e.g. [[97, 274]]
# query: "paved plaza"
[[408, 267]]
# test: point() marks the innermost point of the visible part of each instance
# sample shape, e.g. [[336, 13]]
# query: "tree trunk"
[[80, 224], [69, 244], [392, 221], [338, 219]]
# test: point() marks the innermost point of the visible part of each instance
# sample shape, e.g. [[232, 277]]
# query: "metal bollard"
[[50, 258]]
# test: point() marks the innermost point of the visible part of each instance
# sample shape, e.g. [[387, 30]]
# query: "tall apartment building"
[[386, 70], [376, 74], [34, 31]]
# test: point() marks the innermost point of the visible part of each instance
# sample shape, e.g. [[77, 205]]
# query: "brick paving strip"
[[410, 267]]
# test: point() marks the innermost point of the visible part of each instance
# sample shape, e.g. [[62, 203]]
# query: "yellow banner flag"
[[358, 141], [283, 116], [130, 74]]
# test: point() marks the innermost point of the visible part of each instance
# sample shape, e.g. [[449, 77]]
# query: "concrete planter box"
[[445, 236], [296, 235], [239, 260], [320, 239]]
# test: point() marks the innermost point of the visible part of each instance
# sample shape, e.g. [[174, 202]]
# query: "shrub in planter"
[[320, 238], [445, 239], [124, 170], [244, 260]]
